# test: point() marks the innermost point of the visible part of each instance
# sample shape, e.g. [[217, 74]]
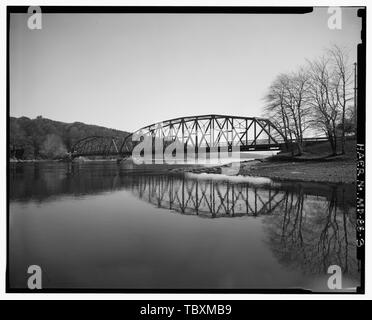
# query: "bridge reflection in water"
[[206, 198], [308, 226]]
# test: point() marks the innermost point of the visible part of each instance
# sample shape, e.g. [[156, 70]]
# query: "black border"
[[194, 10], [361, 141], [165, 9], [131, 308]]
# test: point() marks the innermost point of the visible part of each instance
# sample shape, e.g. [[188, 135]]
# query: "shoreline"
[[335, 170]]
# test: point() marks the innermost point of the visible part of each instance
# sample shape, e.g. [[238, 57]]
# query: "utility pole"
[[355, 94]]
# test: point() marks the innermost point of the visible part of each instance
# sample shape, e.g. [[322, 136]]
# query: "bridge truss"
[[212, 131], [97, 146]]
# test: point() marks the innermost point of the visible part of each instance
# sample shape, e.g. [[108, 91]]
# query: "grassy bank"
[[314, 165]]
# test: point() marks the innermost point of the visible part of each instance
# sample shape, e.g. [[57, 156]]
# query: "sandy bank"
[[331, 171]]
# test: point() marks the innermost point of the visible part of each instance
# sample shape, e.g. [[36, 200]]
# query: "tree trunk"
[[334, 133], [299, 148], [343, 131], [331, 140]]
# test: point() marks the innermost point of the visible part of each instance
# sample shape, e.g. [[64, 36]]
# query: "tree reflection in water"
[[314, 232]]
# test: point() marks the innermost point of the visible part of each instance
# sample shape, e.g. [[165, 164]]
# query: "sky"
[[126, 71]]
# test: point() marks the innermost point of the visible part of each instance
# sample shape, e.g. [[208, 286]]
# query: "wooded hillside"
[[43, 138]]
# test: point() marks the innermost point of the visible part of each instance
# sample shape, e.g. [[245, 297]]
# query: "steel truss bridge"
[[209, 133]]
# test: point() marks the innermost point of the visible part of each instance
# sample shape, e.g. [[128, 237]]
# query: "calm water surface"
[[100, 225]]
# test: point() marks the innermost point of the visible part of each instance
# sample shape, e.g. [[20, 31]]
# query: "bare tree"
[[275, 106], [343, 84], [297, 105], [330, 90], [286, 105], [324, 100]]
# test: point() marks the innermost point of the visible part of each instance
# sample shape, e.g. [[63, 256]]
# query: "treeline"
[[315, 99], [43, 138]]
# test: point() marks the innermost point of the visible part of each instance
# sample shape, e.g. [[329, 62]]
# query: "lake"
[[99, 225]]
